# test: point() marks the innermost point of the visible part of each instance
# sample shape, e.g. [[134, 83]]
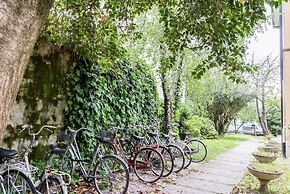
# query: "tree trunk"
[[264, 118], [177, 88], [20, 25], [261, 117], [166, 106], [237, 129]]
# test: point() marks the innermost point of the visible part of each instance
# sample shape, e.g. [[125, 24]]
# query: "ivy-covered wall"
[[101, 97], [62, 90]]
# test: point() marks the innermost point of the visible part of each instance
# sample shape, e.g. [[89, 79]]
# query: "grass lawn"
[[223, 144]]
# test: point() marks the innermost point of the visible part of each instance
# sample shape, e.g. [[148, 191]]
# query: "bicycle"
[[197, 146], [176, 151], [109, 173], [49, 181], [144, 160], [13, 179], [165, 151]]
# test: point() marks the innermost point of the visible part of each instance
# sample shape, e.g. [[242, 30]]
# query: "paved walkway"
[[219, 175]]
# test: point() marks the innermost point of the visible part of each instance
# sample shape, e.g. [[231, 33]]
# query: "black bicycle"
[[108, 173]]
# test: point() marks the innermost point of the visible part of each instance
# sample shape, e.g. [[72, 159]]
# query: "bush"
[[200, 127], [207, 129], [193, 125]]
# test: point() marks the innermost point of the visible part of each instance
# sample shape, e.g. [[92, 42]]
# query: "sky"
[[265, 42]]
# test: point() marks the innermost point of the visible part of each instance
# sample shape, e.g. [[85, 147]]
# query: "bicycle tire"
[[55, 185], [104, 187], [178, 157], [199, 150], [168, 161], [187, 155], [7, 181], [141, 160]]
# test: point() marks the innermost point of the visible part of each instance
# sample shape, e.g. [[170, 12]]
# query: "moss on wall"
[[41, 97]]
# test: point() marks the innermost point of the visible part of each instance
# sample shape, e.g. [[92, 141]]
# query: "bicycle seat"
[[152, 134], [138, 138], [104, 139], [187, 133], [5, 153], [56, 150]]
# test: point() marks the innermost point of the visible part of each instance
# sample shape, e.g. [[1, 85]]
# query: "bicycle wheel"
[[53, 185], [198, 150], [14, 181], [187, 155], [178, 157], [168, 160], [148, 165], [111, 175]]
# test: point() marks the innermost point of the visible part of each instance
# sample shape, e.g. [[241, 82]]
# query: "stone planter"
[[268, 149], [273, 144], [264, 177], [265, 158]]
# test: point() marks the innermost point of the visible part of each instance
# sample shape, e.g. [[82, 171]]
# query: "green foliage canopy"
[[214, 26]]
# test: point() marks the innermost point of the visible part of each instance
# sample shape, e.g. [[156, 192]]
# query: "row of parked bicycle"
[[138, 149]]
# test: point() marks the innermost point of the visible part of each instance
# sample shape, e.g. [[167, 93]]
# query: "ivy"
[[100, 97]]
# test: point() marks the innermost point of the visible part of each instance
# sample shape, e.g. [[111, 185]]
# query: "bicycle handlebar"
[[75, 131], [29, 127]]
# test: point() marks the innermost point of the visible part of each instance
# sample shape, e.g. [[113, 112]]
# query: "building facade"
[[285, 75]]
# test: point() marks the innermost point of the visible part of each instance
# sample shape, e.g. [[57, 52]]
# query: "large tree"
[[20, 25], [215, 25], [265, 80]]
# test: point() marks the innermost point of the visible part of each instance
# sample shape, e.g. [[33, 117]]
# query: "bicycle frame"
[[1, 185], [115, 145], [29, 169], [75, 153]]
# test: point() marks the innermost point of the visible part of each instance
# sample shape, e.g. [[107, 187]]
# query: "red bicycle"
[[145, 160]]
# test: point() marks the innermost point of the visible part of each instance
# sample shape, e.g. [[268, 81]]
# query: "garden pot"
[[268, 149], [264, 177], [264, 158], [275, 144]]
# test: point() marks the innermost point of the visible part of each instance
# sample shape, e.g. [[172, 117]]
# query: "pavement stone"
[[218, 176]]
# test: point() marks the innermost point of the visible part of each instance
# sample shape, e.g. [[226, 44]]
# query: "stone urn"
[[265, 157], [273, 144], [264, 177], [268, 149], [269, 137]]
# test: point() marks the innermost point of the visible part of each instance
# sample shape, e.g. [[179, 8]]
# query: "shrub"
[[207, 129], [200, 127], [193, 126]]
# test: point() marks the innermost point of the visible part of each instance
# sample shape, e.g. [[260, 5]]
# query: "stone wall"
[[41, 96]]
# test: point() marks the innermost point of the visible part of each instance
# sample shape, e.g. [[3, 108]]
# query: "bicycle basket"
[[106, 135], [22, 166], [64, 137]]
